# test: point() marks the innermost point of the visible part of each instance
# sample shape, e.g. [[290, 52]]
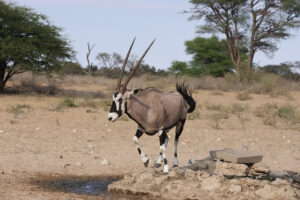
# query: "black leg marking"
[[165, 161], [163, 140], [144, 157], [158, 163], [179, 129]]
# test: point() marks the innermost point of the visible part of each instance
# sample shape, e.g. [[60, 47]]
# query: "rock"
[[261, 168], [235, 188], [79, 163], [145, 177], [191, 161], [236, 156], [272, 192], [104, 162], [190, 174], [296, 178], [211, 183], [195, 181], [267, 192], [279, 174], [280, 182], [207, 164], [230, 169]]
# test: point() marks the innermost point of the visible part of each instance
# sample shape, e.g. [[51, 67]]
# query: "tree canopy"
[[254, 24], [28, 41], [209, 57]]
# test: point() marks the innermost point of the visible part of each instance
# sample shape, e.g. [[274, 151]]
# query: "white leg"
[[163, 144], [175, 161], [144, 157]]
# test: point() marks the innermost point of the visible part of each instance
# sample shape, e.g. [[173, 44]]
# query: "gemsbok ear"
[[132, 92]]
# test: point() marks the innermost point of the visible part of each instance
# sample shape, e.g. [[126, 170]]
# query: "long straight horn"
[[135, 68], [123, 67]]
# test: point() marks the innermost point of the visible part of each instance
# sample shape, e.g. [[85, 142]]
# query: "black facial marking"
[[113, 107], [175, 154]]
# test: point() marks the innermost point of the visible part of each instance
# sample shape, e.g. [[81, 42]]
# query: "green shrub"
[[288, 113], [18, 109], [67, 103]]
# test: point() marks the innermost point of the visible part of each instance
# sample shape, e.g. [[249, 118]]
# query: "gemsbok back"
[[153, 111]]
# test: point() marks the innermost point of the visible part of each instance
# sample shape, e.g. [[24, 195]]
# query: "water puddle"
[[82, 185]]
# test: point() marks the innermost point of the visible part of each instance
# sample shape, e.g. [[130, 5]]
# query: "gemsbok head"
[[153, 111]]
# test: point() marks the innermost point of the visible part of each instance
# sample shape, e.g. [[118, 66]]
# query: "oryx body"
[[154, 112]]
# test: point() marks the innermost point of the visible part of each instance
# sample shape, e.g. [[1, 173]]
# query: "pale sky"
[[112, 24]]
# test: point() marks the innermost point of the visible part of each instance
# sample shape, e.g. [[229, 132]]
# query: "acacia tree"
[[109, 61], [28, 42], [255, 24], [210, 57]]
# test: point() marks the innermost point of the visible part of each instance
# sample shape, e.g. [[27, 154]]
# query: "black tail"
[[187, 95]]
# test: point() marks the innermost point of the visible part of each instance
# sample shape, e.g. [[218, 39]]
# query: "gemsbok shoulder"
[[153, 111]]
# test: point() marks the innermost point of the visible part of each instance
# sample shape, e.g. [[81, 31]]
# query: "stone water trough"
[[227, 174]]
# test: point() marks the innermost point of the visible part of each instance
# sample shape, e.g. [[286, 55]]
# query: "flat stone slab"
[[236, 156]]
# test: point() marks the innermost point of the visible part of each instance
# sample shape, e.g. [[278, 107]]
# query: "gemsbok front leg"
[[163, 140], [179, 129], [144, 157]]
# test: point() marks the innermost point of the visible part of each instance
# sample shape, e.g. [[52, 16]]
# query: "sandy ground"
[[42, 144]]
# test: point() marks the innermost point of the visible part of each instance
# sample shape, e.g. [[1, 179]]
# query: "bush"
[[288, 113], [243, 96], [67, 103], [71, 68]]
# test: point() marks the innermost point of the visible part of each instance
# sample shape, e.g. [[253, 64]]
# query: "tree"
[[284, 69], [28, 42], [179, 68], [71, 68], [90, 65], [109, 61], [210, 57], [255, 24]]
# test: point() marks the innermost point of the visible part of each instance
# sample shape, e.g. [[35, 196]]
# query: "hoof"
[[157, 165], [146, 163], [165, 173], [175, 166]]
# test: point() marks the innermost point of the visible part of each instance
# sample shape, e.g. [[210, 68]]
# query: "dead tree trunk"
[[90, 65]]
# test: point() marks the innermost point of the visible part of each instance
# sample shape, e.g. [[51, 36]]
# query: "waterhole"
[[92, 186]]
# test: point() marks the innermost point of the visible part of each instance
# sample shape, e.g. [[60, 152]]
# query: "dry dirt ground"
[[42, 148]]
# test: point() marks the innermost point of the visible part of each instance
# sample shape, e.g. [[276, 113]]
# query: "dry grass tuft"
[[288, 113], [243, 96], [18, 109], [194, 115], [66, 103], [105, 104]]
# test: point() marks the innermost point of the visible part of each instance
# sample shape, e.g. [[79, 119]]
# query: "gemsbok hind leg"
[[179, 129], [144, 157], [163, 141], [160, 156]]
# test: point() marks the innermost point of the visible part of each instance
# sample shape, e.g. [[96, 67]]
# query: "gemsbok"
[[153, 111]]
